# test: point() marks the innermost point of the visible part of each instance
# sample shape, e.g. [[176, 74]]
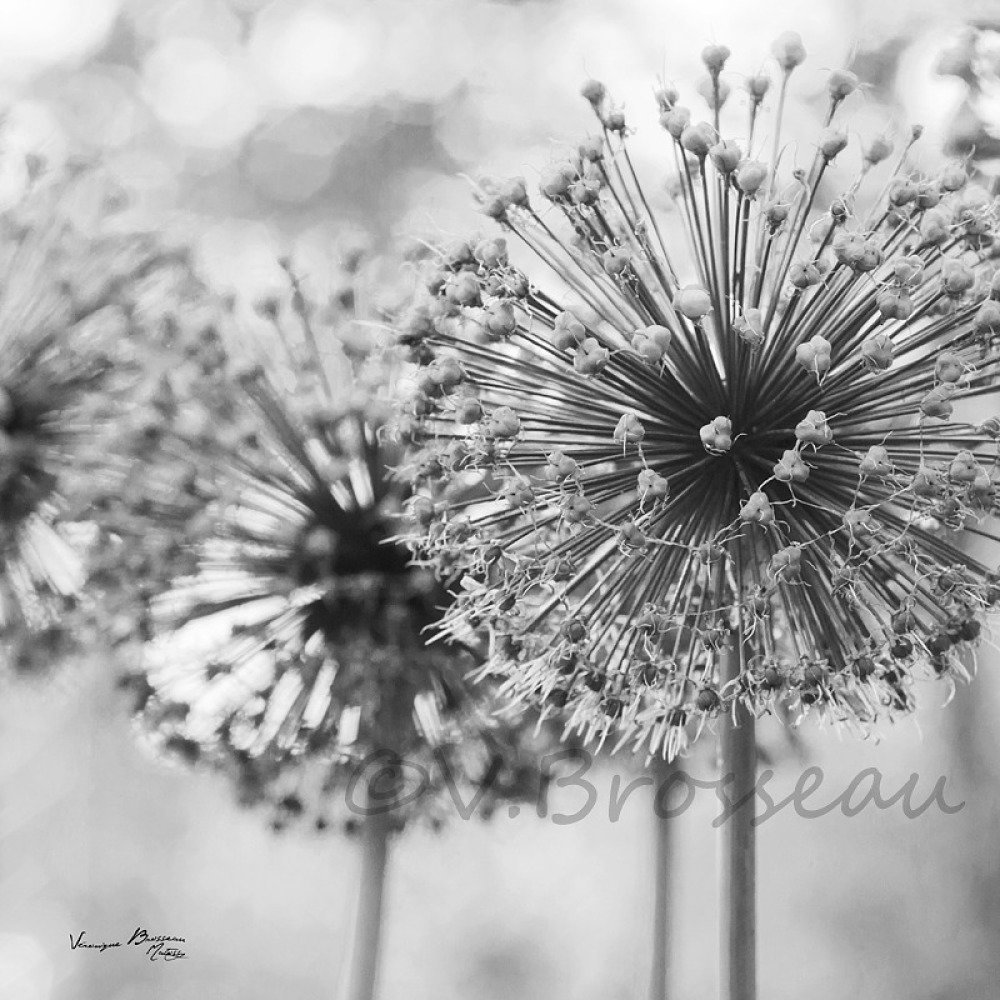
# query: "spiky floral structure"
[[64, 266], [293, 651], [761, 421]]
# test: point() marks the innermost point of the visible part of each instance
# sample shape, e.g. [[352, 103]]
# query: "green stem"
[[737, 860]]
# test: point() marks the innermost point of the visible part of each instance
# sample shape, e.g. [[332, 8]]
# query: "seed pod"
[[750, 177], [693, 301], [698, 139], [877, 150], [594, 92], [788, 49]]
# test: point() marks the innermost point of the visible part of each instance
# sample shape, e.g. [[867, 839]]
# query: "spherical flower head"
[[69, 263], [758, 443], [291, 654]]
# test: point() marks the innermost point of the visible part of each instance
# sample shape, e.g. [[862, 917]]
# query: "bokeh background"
[[261, 128]]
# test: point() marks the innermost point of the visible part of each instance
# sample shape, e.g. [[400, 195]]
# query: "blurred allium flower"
[[293, 655], [64, 266], [762, 422]]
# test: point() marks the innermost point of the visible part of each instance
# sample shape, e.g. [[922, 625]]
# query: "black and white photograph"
[[499, 500]]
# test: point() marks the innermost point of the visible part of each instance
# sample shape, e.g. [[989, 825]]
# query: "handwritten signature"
[[158, 947]]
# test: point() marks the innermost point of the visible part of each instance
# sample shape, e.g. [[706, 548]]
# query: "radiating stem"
[[659, 977], [367, 930], [737, 861]]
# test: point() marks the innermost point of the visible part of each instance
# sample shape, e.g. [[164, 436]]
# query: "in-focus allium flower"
[[763, 421], [63, 268]]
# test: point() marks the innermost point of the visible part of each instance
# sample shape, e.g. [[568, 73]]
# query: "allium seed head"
[[764, 447]]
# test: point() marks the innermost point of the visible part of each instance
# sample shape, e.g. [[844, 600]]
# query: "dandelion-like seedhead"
[[756, 434], [64, 266], [293, 657]]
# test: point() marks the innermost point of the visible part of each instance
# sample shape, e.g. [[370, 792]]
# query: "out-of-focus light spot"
[[31, 128], [99, 107], [241, 257], [36, 34], [312, 54], [25, 969], [291, 159], [199, 92]]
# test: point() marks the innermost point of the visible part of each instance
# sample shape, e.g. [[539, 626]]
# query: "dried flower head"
[[768, 447], [293, 655], [64, 269]]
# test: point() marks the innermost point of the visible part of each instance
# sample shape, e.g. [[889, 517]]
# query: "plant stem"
[[737, 861], [662, 886], [367, 930]]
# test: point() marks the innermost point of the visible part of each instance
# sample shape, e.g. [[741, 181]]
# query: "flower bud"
[[757, 509], [568, 332], [877, 352], [515, 192], [937, 403], [717, 436], [593, 91], [786, 563], [693, 302], [560, 467], [591, 358], [652, 486], [814, 429], [584, 192], [876, 462], [666, 97], [877, 150], [964, 468], [790, 468], [576, 508], [463, 289], [788, 49], [517, 492], [631, 536], [934, 228], [629, 430], [750, 327], [615, 122], [814, 355], [556, 180], [750, 176], [902, 192], [468, 410], [652, 342], [491, 253], [776, 213], [954, 178], [956, 277], [725, 156], [841, 83], [676, 121], [894, 303], [987, 318], [698, 139], [503, 422], [803, 274], [831, 142], [949, 367], [757, 87], [714, 57]]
